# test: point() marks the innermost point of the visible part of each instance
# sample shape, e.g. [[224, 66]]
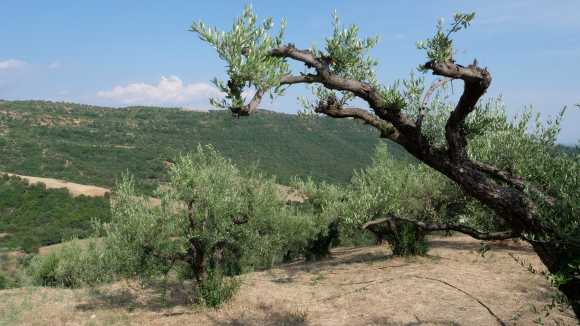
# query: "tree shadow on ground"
[[501, 246], [271, 318], [317, 266], [296, 318], [134, 299]]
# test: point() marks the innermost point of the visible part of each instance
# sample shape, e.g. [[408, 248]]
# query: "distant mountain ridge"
[[93, 145]]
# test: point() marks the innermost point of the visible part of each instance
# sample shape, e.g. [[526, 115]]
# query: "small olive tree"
[[532, 188], [214, 220], [391, 186], [73, 265]]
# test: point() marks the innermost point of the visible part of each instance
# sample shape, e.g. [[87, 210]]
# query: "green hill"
[[94, 145], [32, 216]]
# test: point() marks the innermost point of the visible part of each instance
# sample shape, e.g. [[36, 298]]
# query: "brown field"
[[74, 188], [204, 111], [78, 189], [356, 286]]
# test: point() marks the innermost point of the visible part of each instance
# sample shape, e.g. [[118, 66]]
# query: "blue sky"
[[121, 53]]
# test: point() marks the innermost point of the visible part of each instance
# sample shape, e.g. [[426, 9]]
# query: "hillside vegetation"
[[94, 145], [32, 216]]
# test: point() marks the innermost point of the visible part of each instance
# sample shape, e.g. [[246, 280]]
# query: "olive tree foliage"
[[214, 220], [390, 187], [369, 198], [536, 199], [257, 68], [72, 265]]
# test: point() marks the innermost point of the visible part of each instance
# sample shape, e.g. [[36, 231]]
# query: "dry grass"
[[357, 286], [290, 193], [74, 188], [77, 189], [191, 110]]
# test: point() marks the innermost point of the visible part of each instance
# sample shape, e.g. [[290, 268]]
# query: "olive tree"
[[399, 187], [214, 220], [532, 188], [72, 265]]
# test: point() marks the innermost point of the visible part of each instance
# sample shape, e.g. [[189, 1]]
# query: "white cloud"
[[63, 91], [55, 65], [167, 92], [12, 70], [12, 64]]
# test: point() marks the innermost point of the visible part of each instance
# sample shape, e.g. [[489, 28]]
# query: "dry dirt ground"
[[74, 188], [453, 285], [77, 189], [290, 193]]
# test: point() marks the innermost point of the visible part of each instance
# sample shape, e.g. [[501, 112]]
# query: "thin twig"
[[426, 99], [280, 93]]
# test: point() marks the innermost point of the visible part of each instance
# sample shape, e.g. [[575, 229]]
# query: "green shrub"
[[43, 268], [4, 257], [72, 265], [30, 244], [27, 260], [3, 284], [406, 241], [216, 289], [81, 266]]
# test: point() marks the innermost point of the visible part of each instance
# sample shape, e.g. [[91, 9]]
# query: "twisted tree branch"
[[447, 226], [149, 249], [332, 108], [477, 81], [513, 179]]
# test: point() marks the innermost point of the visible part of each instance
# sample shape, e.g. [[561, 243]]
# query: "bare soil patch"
[[74, 188], [290, 193], [203, 111], [453, 285]]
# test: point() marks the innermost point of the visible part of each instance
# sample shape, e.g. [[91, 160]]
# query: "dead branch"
[[426, 99]]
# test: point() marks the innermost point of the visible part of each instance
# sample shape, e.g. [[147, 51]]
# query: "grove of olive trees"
[[510, 167]]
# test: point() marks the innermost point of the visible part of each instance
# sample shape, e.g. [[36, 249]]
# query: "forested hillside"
[[32, 216], [94, 145]]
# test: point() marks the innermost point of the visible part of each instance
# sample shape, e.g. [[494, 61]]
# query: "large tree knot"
[[240, 111], [330, 106]]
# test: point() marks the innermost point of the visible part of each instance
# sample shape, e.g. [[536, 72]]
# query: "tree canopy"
[[214, 220]]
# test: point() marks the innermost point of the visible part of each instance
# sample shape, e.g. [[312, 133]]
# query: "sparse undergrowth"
[[355, 286]]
